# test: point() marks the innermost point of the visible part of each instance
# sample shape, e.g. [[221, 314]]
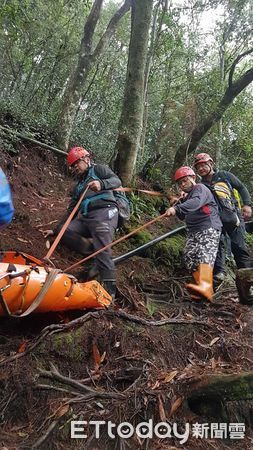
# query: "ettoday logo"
[[160, 430], [125, 430]]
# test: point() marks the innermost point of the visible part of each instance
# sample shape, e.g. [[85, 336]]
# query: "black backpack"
[[123, 206]]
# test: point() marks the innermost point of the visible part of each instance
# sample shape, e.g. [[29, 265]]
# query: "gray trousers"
[[100, 225]]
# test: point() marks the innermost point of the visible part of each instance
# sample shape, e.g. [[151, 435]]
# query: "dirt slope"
[[120, 365]]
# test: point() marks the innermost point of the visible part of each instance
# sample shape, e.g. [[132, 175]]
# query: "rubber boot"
[[196, 297], [107, 279], [204, 278]]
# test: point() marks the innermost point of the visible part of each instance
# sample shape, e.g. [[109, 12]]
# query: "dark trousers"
[[238, 249], [100, 225]]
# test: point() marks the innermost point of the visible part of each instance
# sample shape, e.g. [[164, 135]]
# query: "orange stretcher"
[[27, 286]]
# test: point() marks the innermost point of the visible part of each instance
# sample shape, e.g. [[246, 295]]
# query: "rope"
[[114, 242], [143, 191], [65, 226]]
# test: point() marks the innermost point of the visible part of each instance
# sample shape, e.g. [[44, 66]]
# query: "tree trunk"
[[130, 125], [197, 134], [210, 394], [244, 284], [86, 60], [149, 62]]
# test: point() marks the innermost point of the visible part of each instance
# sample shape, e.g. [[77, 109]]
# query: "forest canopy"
[[66, 69]]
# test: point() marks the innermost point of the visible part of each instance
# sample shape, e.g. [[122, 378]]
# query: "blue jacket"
[[6, 205]]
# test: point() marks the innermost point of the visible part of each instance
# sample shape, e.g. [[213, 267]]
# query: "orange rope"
[[114, 243], [65, 226], [127, 189]]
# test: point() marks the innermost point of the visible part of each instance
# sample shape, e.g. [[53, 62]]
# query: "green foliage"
[[151, 308], [39, 43], [141, 205], [249, 239]]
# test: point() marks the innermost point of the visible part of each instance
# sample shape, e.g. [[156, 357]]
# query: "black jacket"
[[235, 183]]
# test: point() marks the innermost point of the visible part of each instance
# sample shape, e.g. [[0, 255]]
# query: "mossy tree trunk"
[[210, 395], [130, 125]]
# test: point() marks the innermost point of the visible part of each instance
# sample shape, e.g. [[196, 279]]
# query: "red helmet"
[[183, 172], [75, 154], [202, 158]]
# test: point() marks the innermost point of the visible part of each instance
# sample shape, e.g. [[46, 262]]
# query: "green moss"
[[141, 238], [169, 251], [69, 344], [132, 328]]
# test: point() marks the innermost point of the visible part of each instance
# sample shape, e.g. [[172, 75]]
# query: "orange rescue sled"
[[26, 286]]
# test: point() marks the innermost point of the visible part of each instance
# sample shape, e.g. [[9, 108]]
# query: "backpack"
[[124, 208], [222, 192]]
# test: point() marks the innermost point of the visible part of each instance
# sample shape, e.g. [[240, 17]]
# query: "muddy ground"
[[140, 361]]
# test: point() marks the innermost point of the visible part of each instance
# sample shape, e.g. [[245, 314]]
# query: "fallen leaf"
[[62, 411], [48, 245], [96, 355], [102, 358], [22, 240], [161, 410], [202, 345], [145, 400], [177, 403], [100, 405], [213, 341], [156, 385], [170, 376], [188, 316], [22, 347]]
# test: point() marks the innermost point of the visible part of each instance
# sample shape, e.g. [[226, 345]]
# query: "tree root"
[[57, 328]]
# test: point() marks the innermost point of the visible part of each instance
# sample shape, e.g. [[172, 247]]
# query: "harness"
[[91, 175]]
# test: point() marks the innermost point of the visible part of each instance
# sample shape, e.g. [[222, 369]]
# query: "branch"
[[111, 28], [202, 128], [81, 388], [44, 437], [89, 27], [34, 141], [232, 69]]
